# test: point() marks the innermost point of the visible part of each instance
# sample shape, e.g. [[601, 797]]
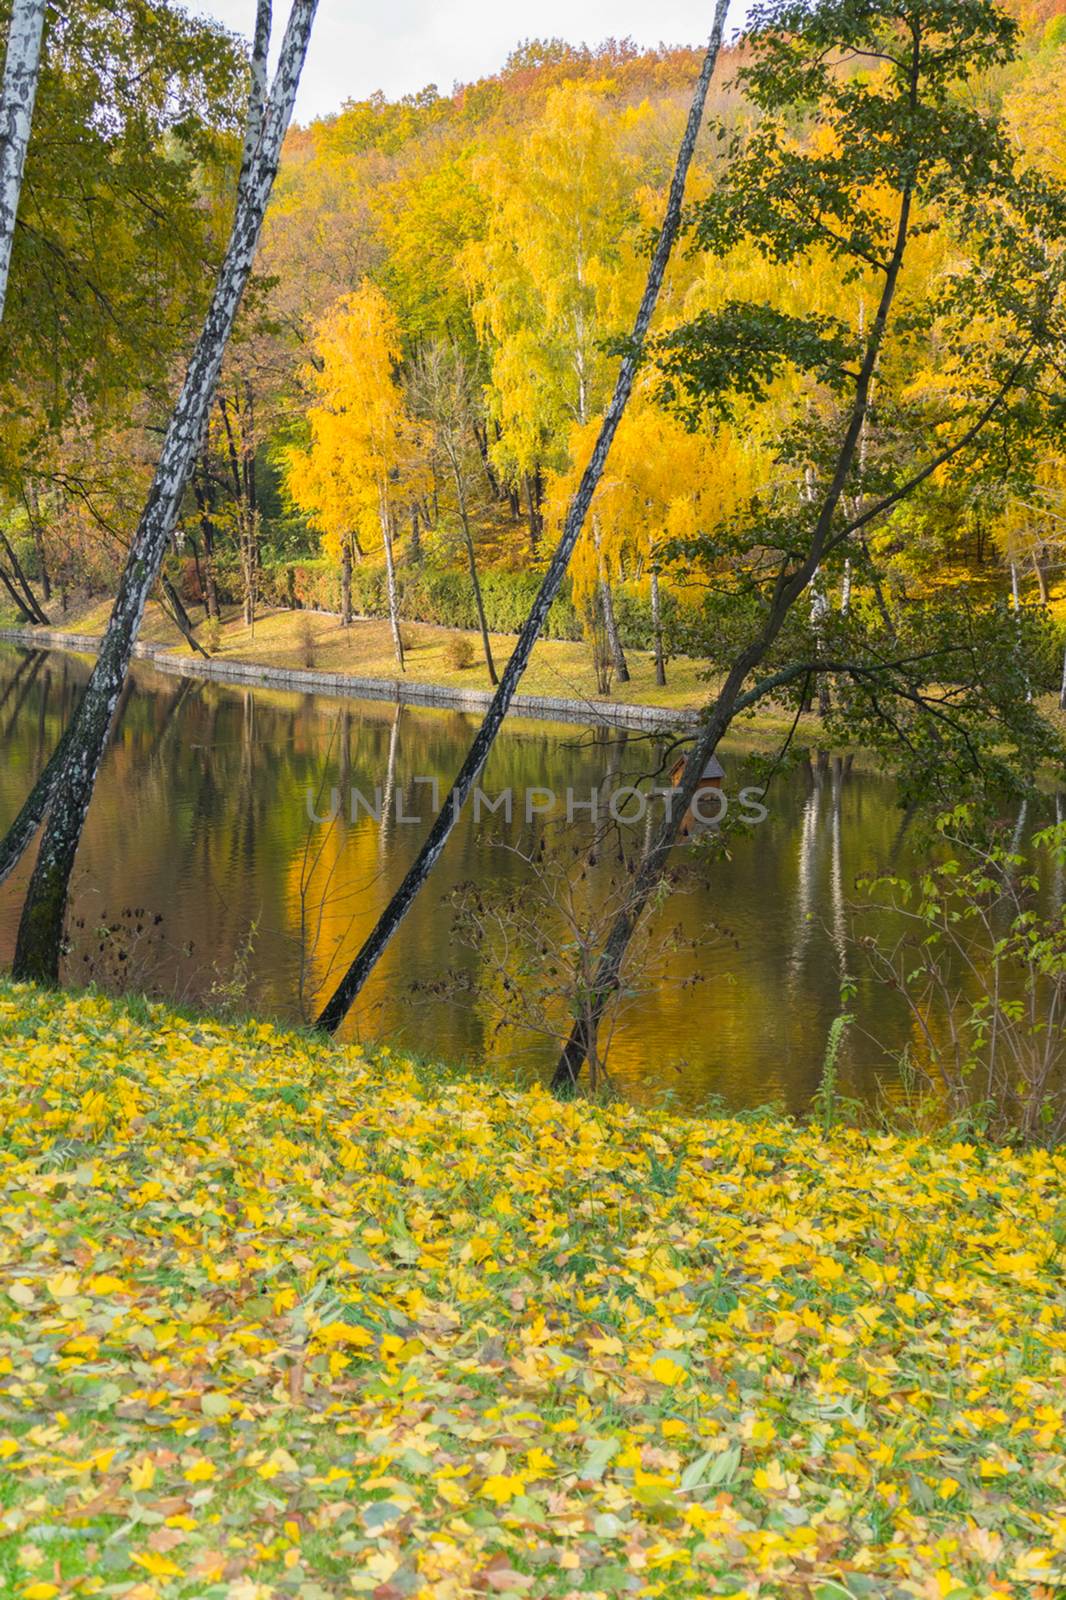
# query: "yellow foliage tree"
[[364, 442], [556, 273], [666, 482]]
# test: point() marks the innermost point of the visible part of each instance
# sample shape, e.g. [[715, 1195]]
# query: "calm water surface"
[[199, 835]]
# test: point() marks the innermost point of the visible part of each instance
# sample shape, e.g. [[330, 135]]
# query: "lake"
[[204, 877]]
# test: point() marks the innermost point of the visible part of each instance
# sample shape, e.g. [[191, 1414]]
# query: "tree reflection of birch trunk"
[[836, 873], [806, 869], [388, 798]]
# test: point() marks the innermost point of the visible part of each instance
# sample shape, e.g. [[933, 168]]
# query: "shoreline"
[[347, 686]]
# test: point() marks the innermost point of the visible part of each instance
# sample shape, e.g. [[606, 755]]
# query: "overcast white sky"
[[401, 45]]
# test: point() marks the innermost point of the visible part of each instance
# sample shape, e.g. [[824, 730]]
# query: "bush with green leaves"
[[443, 596], [979, 958]]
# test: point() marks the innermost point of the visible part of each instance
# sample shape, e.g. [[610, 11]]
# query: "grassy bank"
[[282, 1320], [281, 639]]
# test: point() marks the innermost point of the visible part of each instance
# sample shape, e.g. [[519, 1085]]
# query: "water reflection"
[[199, 851]]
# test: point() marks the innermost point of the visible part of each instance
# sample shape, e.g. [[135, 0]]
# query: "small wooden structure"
[[712, 778], [713, 773]]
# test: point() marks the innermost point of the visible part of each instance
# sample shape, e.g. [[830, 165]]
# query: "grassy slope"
[[281, 1320]]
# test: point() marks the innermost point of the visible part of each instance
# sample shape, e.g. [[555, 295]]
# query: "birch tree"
[[22, 66], [341, 1001], [65, 787]]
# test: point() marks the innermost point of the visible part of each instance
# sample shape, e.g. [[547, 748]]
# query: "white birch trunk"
[[22, 67], [67, 791]]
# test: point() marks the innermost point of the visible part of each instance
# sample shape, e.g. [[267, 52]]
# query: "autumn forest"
[[533, 801]]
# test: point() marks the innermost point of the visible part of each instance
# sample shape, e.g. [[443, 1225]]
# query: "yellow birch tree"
[[364, 442]]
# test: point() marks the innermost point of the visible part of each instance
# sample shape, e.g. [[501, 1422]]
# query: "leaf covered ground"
[[277, 1320]]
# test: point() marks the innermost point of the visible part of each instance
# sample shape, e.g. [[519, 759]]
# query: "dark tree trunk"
[[416, 536], [42, 561], [24, 614], [19, 585], [65, 788], [482, 437], [471, 557], [179, 613], [195, 548], [534, 501], [201, 486]]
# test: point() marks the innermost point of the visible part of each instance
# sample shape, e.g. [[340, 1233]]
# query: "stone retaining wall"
[[344, 686]]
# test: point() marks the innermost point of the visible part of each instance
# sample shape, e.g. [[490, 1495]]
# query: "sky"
[[399, 46]]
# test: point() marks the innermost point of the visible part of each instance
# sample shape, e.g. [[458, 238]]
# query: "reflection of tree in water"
[[803, 915]]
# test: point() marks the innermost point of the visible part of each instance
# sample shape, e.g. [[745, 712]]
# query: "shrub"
[[983, 974], [308, 641], [459, 652], [211, 636]]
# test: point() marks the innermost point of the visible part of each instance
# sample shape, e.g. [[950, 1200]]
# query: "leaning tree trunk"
[[352, 982], [22, 68], [176, 606], [731, 699], [67, 794], [24, 613], [25, 599], [471, 557]]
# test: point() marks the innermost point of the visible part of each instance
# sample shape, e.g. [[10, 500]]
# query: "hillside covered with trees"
[[421, 364]]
